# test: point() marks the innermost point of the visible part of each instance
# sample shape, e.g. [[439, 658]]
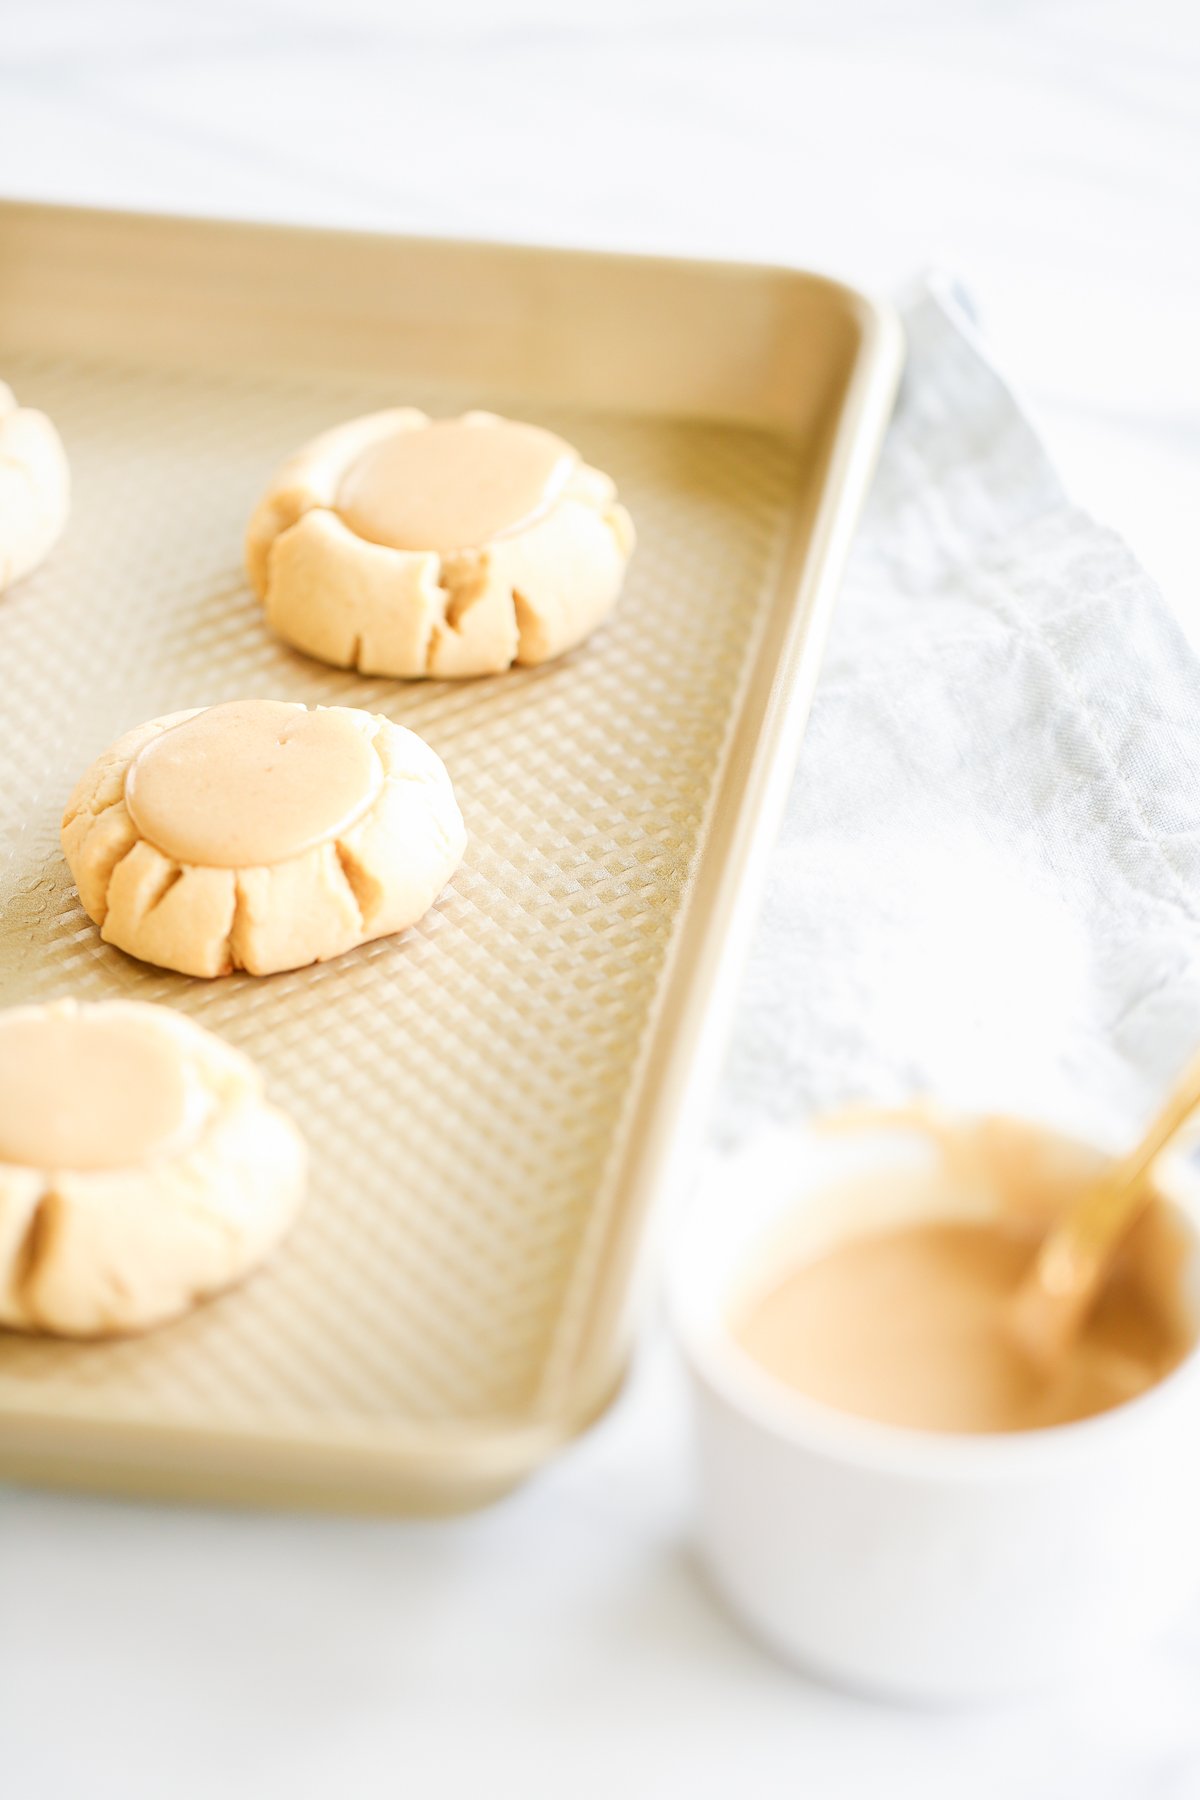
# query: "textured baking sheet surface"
[[464, 1086]]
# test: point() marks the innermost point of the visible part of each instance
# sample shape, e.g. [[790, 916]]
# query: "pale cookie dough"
[[401, 545], [35, 488], [141, 1169], [259, 835]]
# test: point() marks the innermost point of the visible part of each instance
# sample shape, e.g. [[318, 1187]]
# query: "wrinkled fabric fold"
[[987, 884]]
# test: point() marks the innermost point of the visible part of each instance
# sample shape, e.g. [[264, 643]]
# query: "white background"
[[1050, 154]]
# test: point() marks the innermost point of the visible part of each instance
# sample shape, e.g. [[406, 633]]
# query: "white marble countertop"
[[1050, 153]]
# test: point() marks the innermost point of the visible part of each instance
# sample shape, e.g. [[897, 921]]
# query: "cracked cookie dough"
[[141, 1169], [259, 835], [35, 488], [403, 545]]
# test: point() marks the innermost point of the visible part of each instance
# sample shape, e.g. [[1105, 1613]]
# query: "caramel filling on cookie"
[[252, 782], [454, 485], [86, 1091]]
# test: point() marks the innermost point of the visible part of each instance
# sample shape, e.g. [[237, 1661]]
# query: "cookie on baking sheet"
[[141, 1169], [260, 835], [403, 545], [35, 488]]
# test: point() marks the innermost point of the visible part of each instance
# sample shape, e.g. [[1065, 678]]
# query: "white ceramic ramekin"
[[925, 1565]]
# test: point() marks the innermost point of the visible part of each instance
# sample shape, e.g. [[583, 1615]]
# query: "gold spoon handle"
[[1075, 1255]]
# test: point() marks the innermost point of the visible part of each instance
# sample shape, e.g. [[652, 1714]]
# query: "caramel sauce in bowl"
[[883, 1497]]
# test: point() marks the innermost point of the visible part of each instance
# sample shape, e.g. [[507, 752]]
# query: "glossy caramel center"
[[457, 484], [252, 782], [93, 1089]]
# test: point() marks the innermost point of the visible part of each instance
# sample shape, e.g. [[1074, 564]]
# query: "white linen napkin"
[[987, 887]]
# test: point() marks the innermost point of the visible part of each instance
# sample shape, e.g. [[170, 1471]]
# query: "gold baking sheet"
[[497, 1100]]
